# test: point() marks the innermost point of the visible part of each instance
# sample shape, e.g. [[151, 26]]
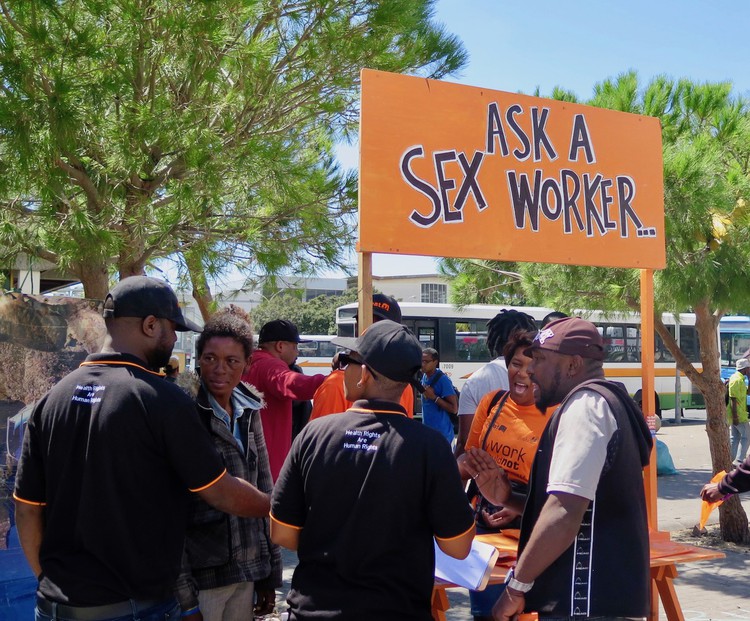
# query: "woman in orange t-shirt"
[[508, 428], [508, 425]]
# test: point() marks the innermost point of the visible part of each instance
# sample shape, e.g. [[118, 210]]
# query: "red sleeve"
[[281, 381]]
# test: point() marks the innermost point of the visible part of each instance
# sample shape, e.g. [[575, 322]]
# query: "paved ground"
[[709, 590], [716, 590]]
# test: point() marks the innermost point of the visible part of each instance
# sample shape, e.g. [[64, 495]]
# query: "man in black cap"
[[109, 457], [269, 372], [583, 550], [329, 398], [363, 494], [384, 307]]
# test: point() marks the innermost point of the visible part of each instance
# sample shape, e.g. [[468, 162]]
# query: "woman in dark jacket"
[[229, 562]]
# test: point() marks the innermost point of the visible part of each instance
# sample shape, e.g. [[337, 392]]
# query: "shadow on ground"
[[684, 485]]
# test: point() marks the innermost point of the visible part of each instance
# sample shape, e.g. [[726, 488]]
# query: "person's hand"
[[499, 519], [265, 600], [711, 493], [429, 392], [491, 480], [735, 420], [509, 606]]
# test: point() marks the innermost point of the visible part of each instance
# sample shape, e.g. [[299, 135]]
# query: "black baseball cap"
[[389, 348], [279, 330], [384, 307], [141, 296]]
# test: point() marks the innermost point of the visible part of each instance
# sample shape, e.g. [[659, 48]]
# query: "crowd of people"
[[161, 495]]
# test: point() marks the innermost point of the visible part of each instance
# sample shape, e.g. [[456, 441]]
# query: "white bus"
[[316, 354], [734, 342], [460, 335]]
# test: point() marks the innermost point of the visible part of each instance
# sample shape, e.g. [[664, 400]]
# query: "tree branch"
[[82, 180]]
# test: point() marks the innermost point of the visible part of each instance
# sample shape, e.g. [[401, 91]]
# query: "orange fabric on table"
[[329, 398], [514, 437]]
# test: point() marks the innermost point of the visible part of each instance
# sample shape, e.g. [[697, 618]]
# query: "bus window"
[[315, 355], [326, 349], [471, 341], [622, 343], [308, 349], [472, 347], [614, 343], [689, 343], [426, 336], [662, 354]]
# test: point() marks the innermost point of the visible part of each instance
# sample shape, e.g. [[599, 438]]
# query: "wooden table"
[[665, 556]]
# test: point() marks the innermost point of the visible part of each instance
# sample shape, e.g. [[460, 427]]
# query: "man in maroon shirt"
[[270, 373]]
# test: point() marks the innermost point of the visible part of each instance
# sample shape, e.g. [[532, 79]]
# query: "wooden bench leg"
[[663, 578], [439, 603]]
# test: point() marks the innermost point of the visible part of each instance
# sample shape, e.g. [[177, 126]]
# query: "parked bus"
[[315, 355], [460, 335], [734, 342]]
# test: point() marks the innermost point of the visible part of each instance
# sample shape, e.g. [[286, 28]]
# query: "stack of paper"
[[473, 572]]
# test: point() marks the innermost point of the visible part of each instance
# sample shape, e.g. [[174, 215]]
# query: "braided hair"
[[502, 324]]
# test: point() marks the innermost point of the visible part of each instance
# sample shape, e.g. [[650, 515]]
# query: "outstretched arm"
[[30, 523], [236, 496]]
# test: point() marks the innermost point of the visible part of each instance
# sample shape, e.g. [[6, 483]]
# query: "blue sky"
[[519, 46]]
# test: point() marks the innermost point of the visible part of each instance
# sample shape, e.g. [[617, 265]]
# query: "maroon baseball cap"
[[571, 336]]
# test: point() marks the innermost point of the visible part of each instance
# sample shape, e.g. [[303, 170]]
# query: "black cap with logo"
[[389, 348], [384, 307], [141, 296]]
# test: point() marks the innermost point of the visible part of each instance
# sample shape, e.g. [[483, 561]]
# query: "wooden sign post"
[[456, 171]]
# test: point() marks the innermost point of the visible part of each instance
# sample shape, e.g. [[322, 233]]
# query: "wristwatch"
[[517, 585]]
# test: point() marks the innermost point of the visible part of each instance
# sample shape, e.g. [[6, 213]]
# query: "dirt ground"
[[710, 539]]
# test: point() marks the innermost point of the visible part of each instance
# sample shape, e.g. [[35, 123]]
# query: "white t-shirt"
[[489, 378], [586, 427]]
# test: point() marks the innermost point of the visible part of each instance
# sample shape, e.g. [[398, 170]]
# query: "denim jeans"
[[740, 436], [168, 611], [483, 601]]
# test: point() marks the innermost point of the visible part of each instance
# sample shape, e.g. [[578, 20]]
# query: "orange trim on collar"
[[121, 362], [376, 411]]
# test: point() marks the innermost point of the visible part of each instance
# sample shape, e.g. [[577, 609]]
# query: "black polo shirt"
[[369, 489], [111, 452]]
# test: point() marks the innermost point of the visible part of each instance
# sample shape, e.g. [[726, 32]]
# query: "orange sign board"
[[458, 171]]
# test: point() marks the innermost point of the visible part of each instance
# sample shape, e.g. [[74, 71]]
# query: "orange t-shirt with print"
[[514, 436]]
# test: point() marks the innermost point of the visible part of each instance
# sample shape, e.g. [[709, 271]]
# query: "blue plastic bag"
[[664, 463]]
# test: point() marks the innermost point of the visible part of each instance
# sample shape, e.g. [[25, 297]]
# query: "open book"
[[473, 572]]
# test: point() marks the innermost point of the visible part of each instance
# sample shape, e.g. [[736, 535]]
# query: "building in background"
[[429, 288], [34, 276]]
